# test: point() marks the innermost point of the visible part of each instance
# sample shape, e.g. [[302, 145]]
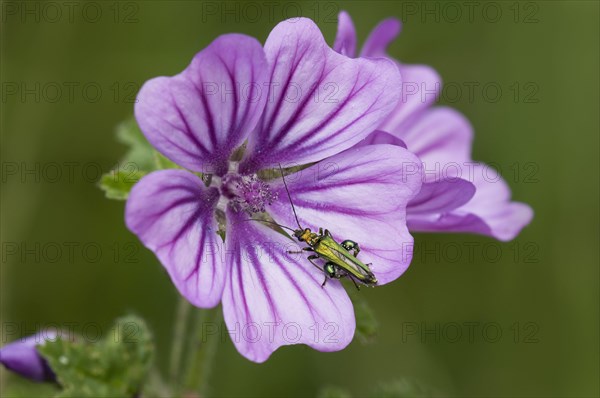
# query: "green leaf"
[[140, 159], [116, 184], [140, 153], [114, 367], [366, 323]]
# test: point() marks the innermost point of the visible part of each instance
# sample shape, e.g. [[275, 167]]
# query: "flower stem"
[[179, 329], [202, 351]]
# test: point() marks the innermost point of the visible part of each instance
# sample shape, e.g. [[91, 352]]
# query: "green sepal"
[[113, 367]]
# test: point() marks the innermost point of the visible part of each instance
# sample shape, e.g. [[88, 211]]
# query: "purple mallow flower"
[[21, 356], [234, 114], [458, 194]]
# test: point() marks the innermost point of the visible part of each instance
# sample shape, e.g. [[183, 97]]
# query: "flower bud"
[[21, 356]]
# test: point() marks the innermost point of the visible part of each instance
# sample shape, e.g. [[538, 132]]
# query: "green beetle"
[[340, 258]]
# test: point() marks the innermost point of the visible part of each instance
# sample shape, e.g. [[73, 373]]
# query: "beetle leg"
[[331, 270], [313, 257], [355, 284], [351, 245], [304, 249]]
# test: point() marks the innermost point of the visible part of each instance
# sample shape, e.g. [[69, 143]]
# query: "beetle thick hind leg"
[[351, 246], [331, 271]]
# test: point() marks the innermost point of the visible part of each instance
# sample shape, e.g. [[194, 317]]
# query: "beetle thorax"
[[309, 237]]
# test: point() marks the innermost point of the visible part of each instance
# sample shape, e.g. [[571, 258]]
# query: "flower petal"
[[272, 298], [421, 86], [490, 211], [345, 40], [492, 204], [380, 38], [320, 102], [172, 213], [441, 137], [198, 117], [441, 196], [381, 137], [360, 194]]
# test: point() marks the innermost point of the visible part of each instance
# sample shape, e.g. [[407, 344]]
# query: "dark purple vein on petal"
[[275, 112], [188, 224], [298, 289], [234, 123], [262, 281], [294, 118], [199, 253], [240, 282], [329, 119], [207, 111], [171, 206], [176, 145], [187, 129]]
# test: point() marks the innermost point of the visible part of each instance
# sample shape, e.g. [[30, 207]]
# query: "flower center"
[[247, 192]]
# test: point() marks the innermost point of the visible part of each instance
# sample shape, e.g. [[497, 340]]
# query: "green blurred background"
[[541, 293]]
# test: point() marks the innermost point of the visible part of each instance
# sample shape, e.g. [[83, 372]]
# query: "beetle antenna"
[[267, 221], [289, 197]]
